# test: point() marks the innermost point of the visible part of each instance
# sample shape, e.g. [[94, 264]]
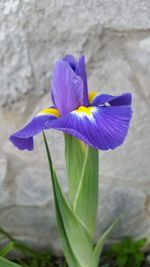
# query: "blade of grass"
[[27, 251], [100, 243], [6, 263], [6, 249]]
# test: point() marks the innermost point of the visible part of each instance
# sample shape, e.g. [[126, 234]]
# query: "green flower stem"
[[82, 167]]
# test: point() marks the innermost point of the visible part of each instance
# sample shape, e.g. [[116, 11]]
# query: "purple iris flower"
[[101, 121]]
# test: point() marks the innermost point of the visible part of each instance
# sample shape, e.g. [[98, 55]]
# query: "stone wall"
[[115, 38]]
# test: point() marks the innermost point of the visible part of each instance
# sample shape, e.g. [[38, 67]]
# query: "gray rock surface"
[[34, 30], [115, 38]]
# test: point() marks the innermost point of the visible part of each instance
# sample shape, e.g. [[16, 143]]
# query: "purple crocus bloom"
[[101, 121]]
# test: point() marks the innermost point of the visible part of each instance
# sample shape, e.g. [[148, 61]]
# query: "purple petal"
[[22, 143], [124, 99], [23, 139], [80, 69], [100, 127], [66, 88], [71, 61]]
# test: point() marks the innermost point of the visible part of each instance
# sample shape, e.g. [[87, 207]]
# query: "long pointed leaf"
[[6, 249], [20, 246], [74, 231], [98, 248], [6, 263], [71, 259], [78, 237]]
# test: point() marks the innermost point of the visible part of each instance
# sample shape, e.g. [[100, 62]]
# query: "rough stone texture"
[[115, 37], [32, 31]]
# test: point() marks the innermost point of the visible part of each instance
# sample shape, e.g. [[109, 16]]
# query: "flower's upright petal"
[[81, 71], [124, 99], [71, 61], [23, 139], [100, 127], [66, 88]]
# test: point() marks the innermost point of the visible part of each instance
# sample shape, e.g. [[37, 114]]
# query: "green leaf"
[[70, 257], [6, 263], [141, 243], [82, 168], [74, 236], [98, 248], [6, 249], [33, 258], [122, 260], [27, 251], [77, 235], [75, 151], [138, 259], [86, 199], [128, 252]]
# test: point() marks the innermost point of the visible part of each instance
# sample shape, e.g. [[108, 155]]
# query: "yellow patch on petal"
[[91, 96], [49, 111], [85, 111]]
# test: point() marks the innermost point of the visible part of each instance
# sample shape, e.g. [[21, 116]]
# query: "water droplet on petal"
[[107, 104]]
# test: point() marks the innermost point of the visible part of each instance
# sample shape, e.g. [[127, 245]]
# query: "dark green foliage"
[[33, 258], [128, 252]]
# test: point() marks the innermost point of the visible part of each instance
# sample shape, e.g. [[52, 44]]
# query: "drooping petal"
[[80, 69], [100, 127], [23, 139], [66, 88], [124, 99]]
